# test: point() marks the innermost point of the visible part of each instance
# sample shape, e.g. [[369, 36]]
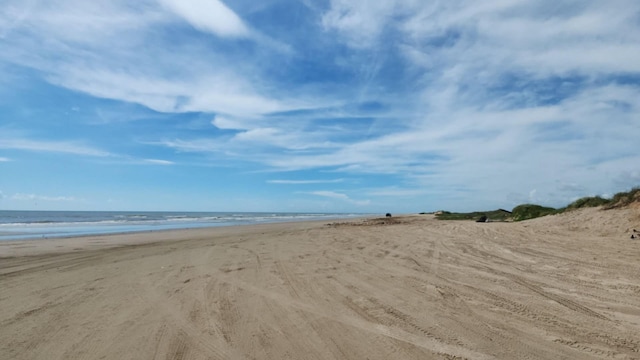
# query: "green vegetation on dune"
[[624, 198], [493, 215], [589, 201], [532, 211]]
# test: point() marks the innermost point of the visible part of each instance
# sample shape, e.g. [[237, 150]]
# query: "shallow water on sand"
[[15, 225]]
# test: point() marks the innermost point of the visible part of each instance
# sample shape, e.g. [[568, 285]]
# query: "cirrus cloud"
[[34, 197], [209, 15]]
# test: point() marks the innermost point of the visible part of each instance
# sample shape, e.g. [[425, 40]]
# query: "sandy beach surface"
[[409, 287]]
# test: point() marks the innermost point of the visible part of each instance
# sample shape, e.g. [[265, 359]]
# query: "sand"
[[410, 287]]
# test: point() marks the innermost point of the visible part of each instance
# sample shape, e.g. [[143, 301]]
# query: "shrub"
[[531, 211], [591, 201], [624, 198], [493, 215]]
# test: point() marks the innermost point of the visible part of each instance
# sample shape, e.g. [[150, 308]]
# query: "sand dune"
[[412, 287]]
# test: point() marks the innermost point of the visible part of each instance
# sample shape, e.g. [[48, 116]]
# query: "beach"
[[406, 287]]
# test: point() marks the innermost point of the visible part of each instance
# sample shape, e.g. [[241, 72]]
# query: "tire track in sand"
[[208, 345], [393, 332]]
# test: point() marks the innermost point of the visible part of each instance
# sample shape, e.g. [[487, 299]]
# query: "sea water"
[[15, 225]]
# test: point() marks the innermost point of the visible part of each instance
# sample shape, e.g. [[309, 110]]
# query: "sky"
[[316, 106]]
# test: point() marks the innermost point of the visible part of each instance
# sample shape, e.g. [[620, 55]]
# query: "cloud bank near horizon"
[[412, 105]]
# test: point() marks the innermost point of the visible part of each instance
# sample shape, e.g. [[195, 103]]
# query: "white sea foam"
[[43, 224]]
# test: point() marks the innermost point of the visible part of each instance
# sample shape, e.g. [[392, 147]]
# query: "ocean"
[[17, 225]]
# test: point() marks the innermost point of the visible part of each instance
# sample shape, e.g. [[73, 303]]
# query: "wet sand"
[[411, 287]]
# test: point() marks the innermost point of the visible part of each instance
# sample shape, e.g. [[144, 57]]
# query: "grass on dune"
[[532, 211]]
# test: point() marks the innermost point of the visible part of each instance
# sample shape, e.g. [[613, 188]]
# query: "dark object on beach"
[[483, 218], [388, 215], [633, 236], [635, 231]]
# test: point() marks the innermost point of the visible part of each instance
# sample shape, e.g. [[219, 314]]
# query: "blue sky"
[[333, 106]]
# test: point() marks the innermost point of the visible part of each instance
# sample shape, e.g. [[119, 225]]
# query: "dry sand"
[[560, 287]]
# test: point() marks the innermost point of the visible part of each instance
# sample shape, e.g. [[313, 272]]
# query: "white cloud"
[[340, 196], [114, 50], [361, 22], [4, 159], [399, 192], [305, 182], [463, 49], [210, 93], [470, 150], [466, 42], [228, 123], [280, 137], [72, 148], [34, 197], [330, 194], [198, 145], [51, 146], [489, 38], [209, 15], [158, 162]]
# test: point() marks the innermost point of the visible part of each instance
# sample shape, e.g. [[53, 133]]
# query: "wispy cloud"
[[158, 162], [52, 146], [96, 48], [71, 148], [399, 192], [305, 182], [34, 197], [195, 145], [360, 22], [209, 15], [339, 196]]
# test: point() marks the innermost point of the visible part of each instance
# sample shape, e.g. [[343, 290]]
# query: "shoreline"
[[69, 243], [43, 225]]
